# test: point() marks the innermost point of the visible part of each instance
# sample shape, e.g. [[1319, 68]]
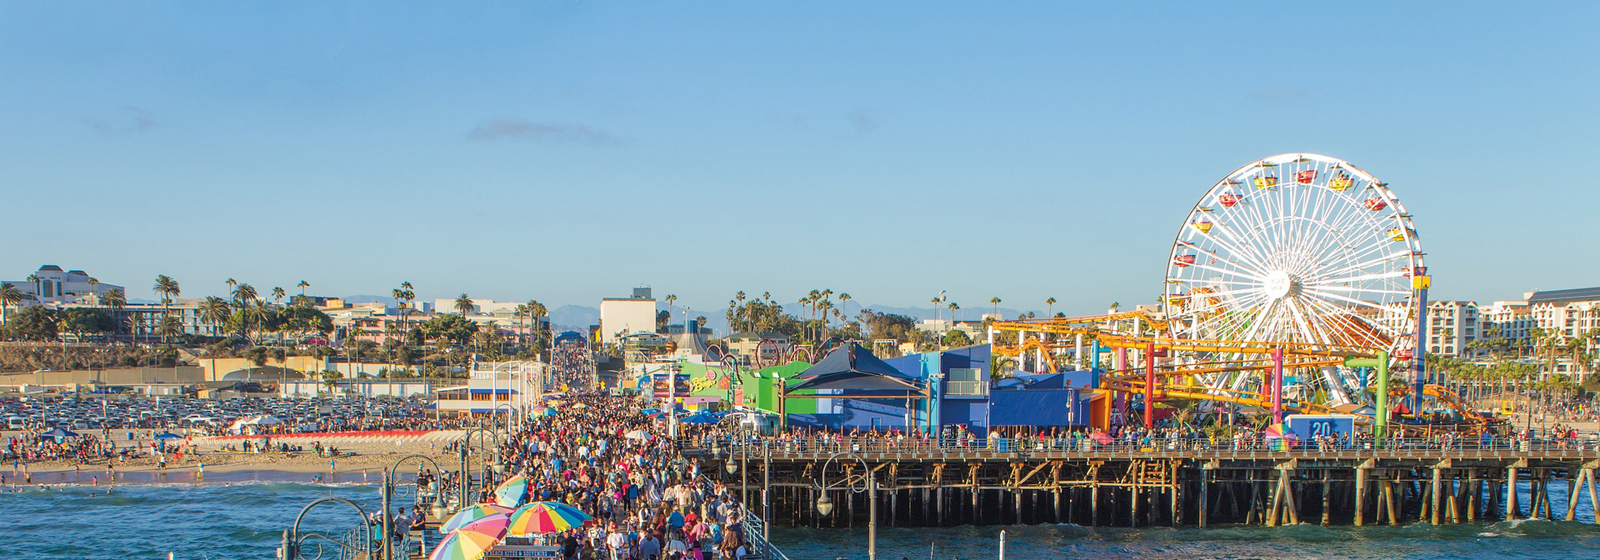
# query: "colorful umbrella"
[[472, 540], [580, 405], [511, 492], [540, 518], [472, 513], [1278, 438]]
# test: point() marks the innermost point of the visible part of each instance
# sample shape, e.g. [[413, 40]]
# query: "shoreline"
[[188, 477], [361, 453]]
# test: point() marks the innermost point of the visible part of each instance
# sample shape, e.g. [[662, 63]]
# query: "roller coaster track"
[[1237, 356]]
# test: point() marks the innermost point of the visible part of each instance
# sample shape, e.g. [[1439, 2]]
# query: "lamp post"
[[744, 472], [390, 480], [294, 539], [513, 420], [766, 498], [466, 468], [825, 504]]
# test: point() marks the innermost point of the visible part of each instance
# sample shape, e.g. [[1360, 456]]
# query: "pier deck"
[[1172, 482]]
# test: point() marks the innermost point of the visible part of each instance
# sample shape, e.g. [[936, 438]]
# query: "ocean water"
[[242, 516]]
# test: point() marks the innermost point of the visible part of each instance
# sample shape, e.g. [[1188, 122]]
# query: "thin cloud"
[[862, 123], [517, 129], [126, 120]]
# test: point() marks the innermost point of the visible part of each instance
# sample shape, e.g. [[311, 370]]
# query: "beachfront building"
[[940, 327], [402, 389], [513, 388], [620, 317], [753, 347], [51, 285], [1452, 327]]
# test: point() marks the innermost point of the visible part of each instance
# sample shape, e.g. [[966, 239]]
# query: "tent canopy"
[[852, 368]]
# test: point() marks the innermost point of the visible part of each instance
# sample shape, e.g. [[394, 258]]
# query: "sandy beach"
[[360, 453]]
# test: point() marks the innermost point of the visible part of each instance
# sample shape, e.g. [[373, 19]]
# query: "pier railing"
[[754, 527], [1188, 447]]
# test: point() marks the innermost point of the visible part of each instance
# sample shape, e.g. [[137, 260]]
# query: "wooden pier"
[[932, 486]]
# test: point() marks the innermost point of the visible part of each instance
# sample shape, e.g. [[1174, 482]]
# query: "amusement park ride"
[[1294, 285]]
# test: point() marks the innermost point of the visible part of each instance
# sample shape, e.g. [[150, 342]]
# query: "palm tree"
[[244, 297], [303, 285], [170, 328], [464, 305], [10, 297], [954, 307], [215, 310], [671, 298], [116, 300], [1050, 307], [277, 299], [168, 288], [995, 301], [35, 280], [402, 297], [935, 302], [519, 313], [536, 311]]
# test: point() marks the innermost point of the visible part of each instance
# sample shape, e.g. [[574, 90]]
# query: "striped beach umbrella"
[[540, 518], [473, 513], [510, 493], [472, 540]]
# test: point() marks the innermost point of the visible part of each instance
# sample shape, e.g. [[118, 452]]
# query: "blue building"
[[941, 389]]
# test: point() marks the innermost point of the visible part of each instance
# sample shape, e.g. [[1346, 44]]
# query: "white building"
[[53, 285], [479, 306], [1452, 325], [513, 388], [620, 317]]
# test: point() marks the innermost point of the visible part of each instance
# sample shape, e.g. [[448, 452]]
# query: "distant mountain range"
[[574, 318], [363, 298]]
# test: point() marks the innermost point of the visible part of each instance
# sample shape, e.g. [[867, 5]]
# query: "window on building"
[[966, 382]]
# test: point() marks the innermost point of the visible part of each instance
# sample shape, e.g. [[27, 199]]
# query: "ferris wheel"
[[1297, 248]]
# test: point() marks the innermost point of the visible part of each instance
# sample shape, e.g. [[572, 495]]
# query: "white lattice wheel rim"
[[1296, 248]]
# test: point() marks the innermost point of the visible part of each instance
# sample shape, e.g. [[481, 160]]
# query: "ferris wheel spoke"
[[1251, 219], [1226, 321], [1252, 271], [1223, 239], [1251, 299], [1338, 319], [1333, 296], [1364, 290], [1219, 270], [1366, 264], [1304, 325], [1361, 278], [1233, 224]]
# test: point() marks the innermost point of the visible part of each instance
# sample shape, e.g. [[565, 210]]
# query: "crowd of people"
[[600, 454]]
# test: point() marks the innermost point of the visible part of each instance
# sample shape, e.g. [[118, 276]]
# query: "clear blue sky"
[[567, 151]]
